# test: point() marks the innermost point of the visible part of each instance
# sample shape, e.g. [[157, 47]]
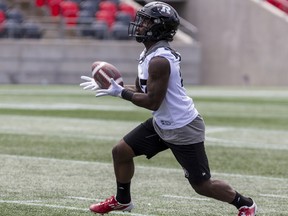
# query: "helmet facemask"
[[141, 21]]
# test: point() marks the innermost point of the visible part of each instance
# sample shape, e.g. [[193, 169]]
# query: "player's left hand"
[[114, 90], [89, 83]]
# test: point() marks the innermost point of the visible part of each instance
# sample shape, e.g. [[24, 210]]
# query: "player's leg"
[[143, 140], [123, 162], [122, 155], [124, 170], [194, 161]]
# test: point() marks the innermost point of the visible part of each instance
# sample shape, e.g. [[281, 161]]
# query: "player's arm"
[[134, 88], [157, 83]]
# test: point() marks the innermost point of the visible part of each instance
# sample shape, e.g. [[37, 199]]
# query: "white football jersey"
[[177, 109]]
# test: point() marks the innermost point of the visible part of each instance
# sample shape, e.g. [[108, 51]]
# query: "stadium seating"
[[40, 3], [85, 18], [119, 31], [54, 7], [100, 19], [124, 7], [84, 23], [108, 6], [69, 10], [100, 30], [12, 29], [2, 21], [124, 17], [2, 16], [32, 30], [117, 2], [14, 14], [77, 1], [90, 5], [106, 16], [3, 6]]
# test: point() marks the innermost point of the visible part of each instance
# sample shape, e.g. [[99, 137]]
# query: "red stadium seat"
[[128, 9], [69, 10], [103, 15], [40, 3], [2, 16], [68, 7], [2, 22], [54, 6], [108, 6]]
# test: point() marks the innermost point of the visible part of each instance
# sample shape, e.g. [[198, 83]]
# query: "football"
[[102, 72]]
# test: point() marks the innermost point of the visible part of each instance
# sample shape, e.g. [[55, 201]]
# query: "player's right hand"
[[114, 90]]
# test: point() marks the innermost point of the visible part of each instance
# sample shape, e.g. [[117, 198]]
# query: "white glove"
[[90, 83], [114, 90]]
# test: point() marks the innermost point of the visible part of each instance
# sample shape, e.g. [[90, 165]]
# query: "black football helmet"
[[163, 22]]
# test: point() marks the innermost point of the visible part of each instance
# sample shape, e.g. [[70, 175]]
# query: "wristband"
[[127, 95]]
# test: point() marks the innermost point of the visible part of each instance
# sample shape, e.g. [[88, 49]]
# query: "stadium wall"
[[64, 61], [244, 42]]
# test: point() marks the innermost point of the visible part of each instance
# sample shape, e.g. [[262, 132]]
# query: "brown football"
[[102, 72]]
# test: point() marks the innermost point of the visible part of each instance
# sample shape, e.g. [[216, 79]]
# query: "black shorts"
[[145, 141]]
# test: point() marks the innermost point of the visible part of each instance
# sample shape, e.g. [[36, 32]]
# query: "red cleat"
[[110, 204], [248, 211]]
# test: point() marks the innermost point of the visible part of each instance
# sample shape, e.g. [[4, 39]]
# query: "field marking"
[[65, 207], [81, 198], [173, 171], [41, 205], [139, 167]]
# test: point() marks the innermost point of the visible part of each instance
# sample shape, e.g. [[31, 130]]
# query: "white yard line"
[[65, 207], [81, 198], [36, 203], [41, 203]]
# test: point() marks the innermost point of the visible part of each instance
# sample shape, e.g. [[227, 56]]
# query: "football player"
[[175, 123]]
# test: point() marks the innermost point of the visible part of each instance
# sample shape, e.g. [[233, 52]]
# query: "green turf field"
[[55, 144]]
